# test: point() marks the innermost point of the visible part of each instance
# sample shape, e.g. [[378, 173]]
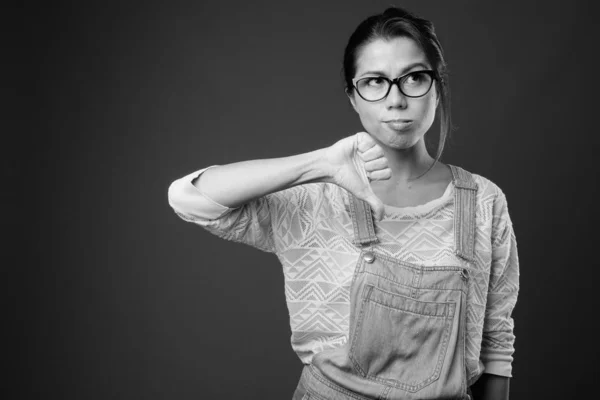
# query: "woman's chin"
[[398, 141]]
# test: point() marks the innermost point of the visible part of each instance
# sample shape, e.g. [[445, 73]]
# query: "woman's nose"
[[395, 98]]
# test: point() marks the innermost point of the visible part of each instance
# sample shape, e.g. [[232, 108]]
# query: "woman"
[[401, 272]]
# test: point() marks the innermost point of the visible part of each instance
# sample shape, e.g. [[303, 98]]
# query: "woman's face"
[[394, 58]]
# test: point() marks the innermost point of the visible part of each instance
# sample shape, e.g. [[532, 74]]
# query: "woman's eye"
[[375, 81], [415, 78]]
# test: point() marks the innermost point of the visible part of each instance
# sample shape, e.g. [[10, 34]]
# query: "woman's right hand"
[[355, 161]]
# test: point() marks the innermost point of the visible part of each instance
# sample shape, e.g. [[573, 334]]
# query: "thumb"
[[367, 193], [376, 204]]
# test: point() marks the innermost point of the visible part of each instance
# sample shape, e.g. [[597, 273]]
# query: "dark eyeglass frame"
[[396, 81]]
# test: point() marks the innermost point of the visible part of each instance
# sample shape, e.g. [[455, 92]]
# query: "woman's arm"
[[350, 163], [497, 346], [235, 184], [244, 201], [491, 387]]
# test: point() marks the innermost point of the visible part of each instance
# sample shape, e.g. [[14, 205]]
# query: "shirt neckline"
[[425, 207]]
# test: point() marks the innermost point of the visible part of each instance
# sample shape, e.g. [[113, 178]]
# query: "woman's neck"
[[408, 163]]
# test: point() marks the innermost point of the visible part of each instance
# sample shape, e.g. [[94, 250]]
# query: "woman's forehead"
[[391, 56]]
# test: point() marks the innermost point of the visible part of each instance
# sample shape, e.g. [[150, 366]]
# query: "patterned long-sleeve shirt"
[[309, 228]]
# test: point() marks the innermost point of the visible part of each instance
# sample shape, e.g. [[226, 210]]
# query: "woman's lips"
[[399, 124]]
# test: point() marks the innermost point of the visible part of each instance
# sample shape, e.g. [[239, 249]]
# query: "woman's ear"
[[350, 94]]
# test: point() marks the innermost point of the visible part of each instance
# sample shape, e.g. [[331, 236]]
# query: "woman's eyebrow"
[[411, 66]]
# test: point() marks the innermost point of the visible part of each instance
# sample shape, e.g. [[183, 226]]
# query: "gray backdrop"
[[114, 297]]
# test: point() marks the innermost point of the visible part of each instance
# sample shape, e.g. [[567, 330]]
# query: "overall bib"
[[407, 322]]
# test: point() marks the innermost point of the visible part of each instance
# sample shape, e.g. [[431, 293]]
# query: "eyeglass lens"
[[414, 84]]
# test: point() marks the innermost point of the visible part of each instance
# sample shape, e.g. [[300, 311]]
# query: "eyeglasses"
[[413, 84]]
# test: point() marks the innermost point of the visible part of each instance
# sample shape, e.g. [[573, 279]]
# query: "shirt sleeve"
[[497, 346], [251, 224]]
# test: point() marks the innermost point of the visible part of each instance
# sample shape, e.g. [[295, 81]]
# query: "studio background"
[[118, 298]]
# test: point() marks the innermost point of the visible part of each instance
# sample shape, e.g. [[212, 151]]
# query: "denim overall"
[[407, 322]]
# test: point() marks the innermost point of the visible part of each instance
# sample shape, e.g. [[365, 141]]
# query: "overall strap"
[[464, 215], [362, 221], [465, 197]]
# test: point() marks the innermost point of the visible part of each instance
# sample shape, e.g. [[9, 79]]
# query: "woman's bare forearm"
[[491, 387], [237, 183]]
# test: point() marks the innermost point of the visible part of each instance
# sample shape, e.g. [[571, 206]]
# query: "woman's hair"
[[397, 22]]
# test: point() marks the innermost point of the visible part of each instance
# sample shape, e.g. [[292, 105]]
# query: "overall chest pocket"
[[398, 340]]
